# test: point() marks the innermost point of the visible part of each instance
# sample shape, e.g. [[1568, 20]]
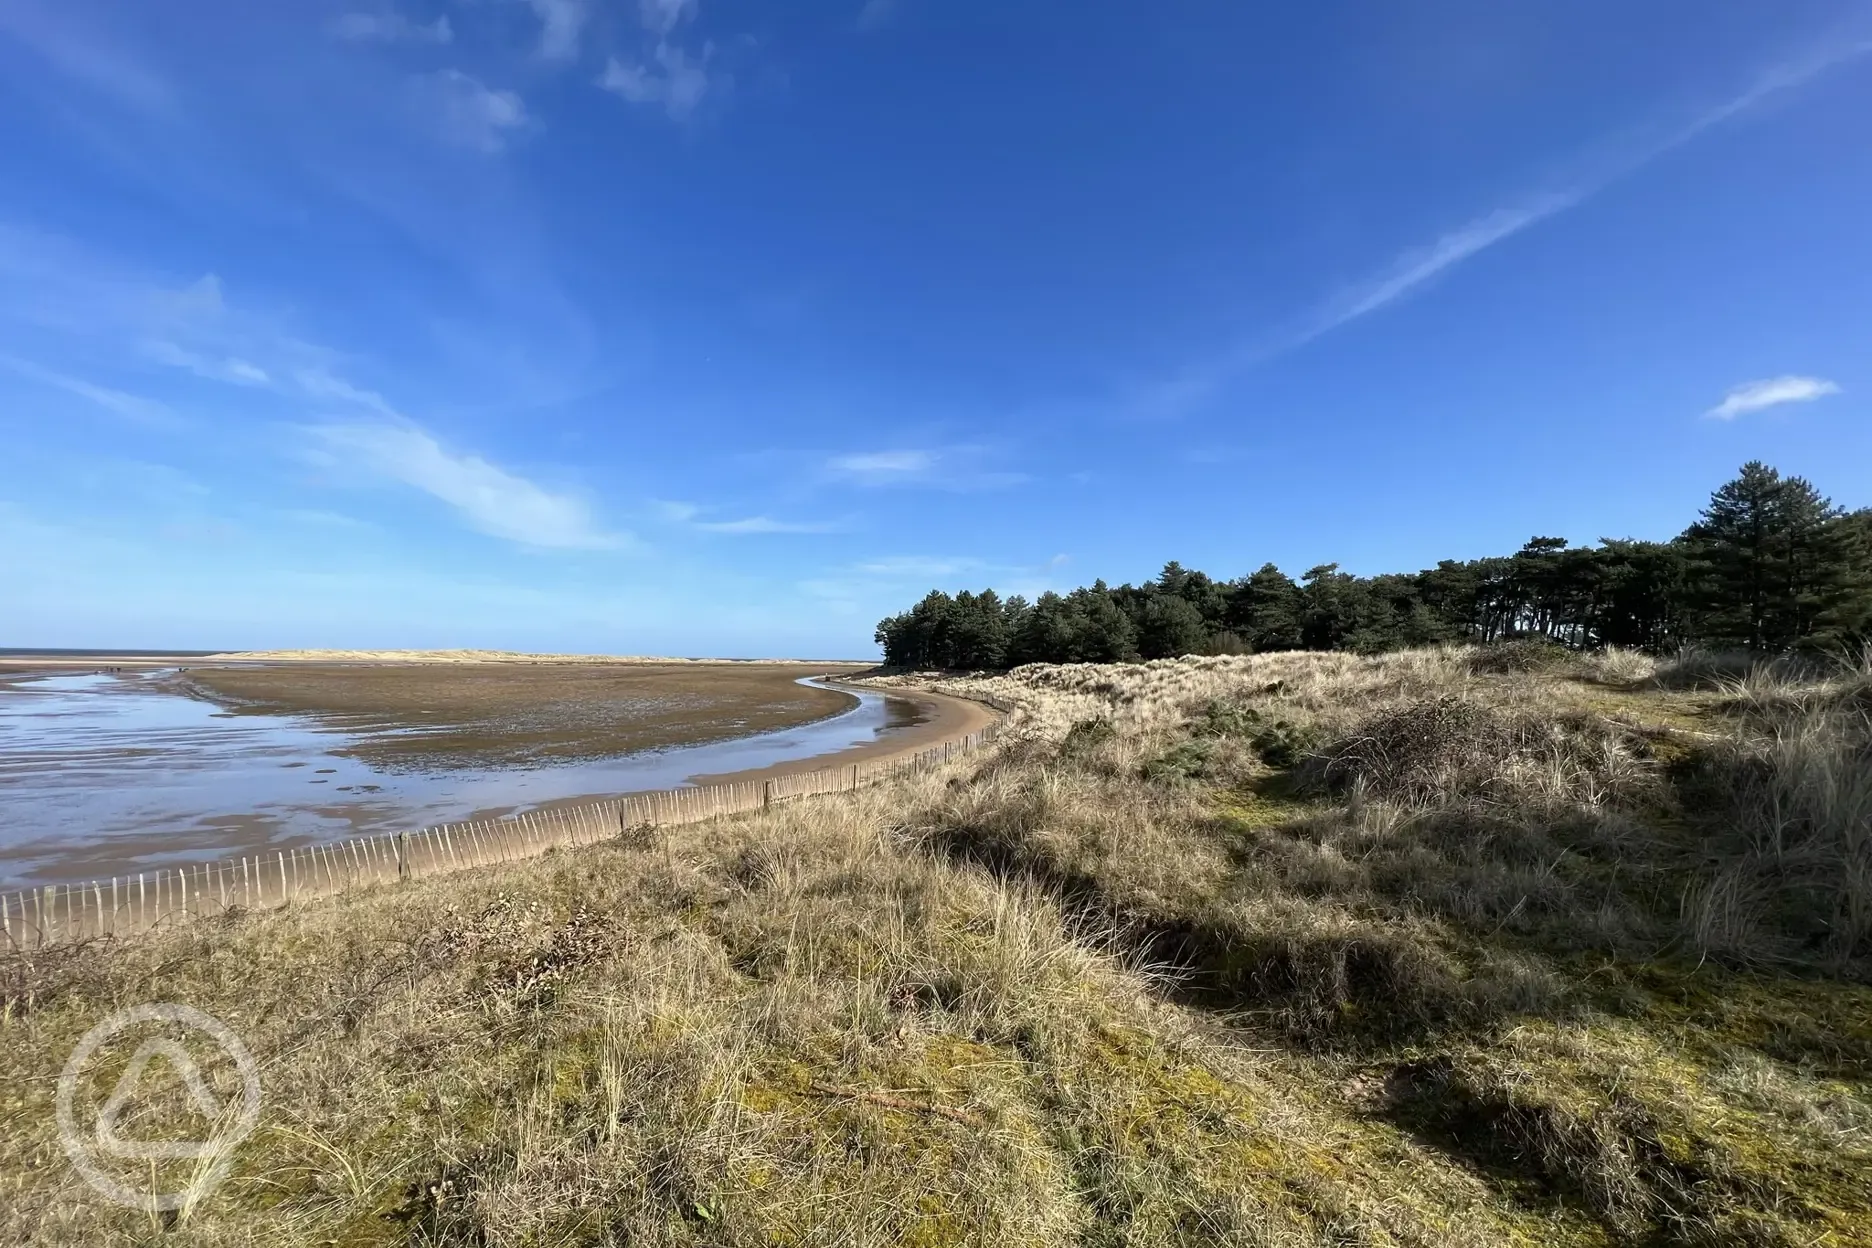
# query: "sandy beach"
[[115, 766]]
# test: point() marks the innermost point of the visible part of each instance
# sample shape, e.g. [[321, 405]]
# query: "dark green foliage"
[[1775, 564], [969, 631], [1187, 760], [1169, 626], [1264, 610], [1278, 742], [1771, 566], [1524, 654], [1087, 735]]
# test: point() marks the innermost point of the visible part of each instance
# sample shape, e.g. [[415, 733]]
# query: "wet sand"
[[26, 666], [942, 718], [103, 775], [423, 716]]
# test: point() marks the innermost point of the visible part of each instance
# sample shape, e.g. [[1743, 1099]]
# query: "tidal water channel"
[[107, 774]]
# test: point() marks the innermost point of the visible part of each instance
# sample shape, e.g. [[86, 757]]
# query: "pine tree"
[[1846, 624], [1103, 632], [1264, 610], [1170, 626], [1772, 561], [1770, 564]]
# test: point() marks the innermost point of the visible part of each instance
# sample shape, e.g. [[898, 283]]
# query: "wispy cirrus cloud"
[[321, 384], [766, 524], [883, 465], [489, 498], [664, 74], [562, 22], [1753, 396], [660, 17], [469, 113], [945, 468], [694, 516], [88, 54], [132, 407], [1417, 267], [389, 26], [670, 79], [231, 369], [919, 567], [321, 518]]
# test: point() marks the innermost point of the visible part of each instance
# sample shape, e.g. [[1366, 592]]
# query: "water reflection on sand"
[[103, 774]]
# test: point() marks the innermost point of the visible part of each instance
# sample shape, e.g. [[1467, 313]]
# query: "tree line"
[[1770, 566]]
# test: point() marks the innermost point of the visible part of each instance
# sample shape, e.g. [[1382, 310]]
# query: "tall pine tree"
[[1771, 561]]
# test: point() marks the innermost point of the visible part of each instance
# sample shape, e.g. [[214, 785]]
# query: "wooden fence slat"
[[358, 860]]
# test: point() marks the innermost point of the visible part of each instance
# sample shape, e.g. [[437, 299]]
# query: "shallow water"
[[102, 775]]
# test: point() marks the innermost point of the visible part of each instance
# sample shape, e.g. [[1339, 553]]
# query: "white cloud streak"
[[133, 407], [883, 464], [391, 27], [322, 385], [490, 499], [561, 23], [471, 114], [662, 16], [691, 514], [230, 369], [919, 567], [1417, 267], [944, 468], [765, 524], [87, 56], [1753, 396], [324, 519], [1414, 268], [671, 80]]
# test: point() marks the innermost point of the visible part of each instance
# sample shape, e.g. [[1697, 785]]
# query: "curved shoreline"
[[322, 868], [952, 719], [880, 726]]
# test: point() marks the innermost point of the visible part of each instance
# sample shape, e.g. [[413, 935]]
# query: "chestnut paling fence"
[[127, 905]]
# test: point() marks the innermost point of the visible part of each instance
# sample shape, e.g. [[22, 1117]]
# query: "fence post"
[[402, 855], [766, 800]]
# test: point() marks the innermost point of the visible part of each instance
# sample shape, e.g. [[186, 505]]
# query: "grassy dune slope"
[[1437, 948]]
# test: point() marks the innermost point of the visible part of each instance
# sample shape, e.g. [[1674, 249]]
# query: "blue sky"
[[715, 327]]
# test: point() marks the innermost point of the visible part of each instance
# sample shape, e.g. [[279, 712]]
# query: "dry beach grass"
[[1443, 947]]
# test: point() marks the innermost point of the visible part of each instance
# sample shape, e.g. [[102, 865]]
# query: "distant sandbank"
[[492, 656]]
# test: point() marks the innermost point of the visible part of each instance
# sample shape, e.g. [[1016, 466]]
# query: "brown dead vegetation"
[[1276, 950]]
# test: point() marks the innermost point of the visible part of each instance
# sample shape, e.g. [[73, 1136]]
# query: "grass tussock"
[[1424, 949]]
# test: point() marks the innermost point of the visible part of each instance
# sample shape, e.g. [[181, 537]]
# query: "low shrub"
[[1187, 760], [1442, 750], [1520, 655], [1278, 742]]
